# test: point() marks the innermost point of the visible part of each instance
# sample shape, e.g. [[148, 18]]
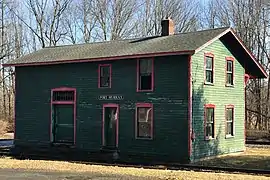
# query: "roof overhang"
[[135, 56], [235, 45]]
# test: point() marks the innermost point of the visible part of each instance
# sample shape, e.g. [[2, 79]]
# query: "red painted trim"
[[74, 102], [99, 67], [138, 105], [62, 102], [209, 54], [205, 107], [229, 58], [246, 79], [249, 52], [245, 118], [134, 56], [103, 122], [190, 128], [138, 73], [229, 106]]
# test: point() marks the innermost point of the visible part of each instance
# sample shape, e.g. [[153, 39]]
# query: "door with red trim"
[[63, 123], [110, 126]]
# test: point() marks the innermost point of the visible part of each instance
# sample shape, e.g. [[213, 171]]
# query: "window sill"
[[209, 138], [145, 90], [228, 136], [141, 138], [229, 85], [104, 87], [208, 83]]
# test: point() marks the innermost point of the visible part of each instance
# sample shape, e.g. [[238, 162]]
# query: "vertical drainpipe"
[[190, 134]]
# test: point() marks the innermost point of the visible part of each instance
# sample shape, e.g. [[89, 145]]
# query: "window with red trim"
[[145, 74], [229, 121], [229, 71], [144, 121], [104, 76], [209, 68], [209, 121]]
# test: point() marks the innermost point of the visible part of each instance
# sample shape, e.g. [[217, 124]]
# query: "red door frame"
[[103, 122]]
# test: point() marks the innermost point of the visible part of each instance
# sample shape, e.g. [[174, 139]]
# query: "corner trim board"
[[190, 128]]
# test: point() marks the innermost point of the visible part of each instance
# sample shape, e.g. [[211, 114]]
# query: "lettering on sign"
[[110, 97]]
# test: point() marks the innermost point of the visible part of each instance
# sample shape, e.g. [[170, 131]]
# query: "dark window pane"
[[145, 74], [229, 114], [209, 130], [145, 66], [104, 71], [145, 82], [229, 78], [229, 128], [229, 66], [104, 76], [209, 76], [209, 63], [210, 115]]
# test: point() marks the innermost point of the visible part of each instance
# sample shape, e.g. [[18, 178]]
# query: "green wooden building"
[[166, 98]]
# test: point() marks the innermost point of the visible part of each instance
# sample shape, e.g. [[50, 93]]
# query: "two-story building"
[[167, 98]]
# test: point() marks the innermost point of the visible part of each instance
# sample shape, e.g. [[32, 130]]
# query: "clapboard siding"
[[169, 98], [219, 95]]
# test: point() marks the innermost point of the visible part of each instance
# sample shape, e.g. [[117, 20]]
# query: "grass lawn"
[[254, 158], [85, 172]]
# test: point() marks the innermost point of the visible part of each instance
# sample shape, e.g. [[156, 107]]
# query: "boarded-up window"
[[144, 121]]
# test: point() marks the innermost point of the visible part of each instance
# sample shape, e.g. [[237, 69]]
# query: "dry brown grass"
[[113, 171], [253, 158], [3, 127]]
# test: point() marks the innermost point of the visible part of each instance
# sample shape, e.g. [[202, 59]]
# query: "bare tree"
[[48, 20]]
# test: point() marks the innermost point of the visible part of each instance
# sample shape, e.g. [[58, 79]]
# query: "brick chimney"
[[167, 27]]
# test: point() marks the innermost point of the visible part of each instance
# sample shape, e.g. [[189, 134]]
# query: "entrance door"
[[63, 124], [110, 125]]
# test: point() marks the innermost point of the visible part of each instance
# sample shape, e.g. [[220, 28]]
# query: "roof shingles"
[[156, 44]]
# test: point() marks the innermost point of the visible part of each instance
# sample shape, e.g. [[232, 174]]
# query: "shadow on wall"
[[202, 148]]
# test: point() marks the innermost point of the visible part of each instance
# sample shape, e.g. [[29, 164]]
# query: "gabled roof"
[[184, 43]]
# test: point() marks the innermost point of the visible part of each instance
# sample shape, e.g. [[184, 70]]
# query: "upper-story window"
[[104, 76], [209, 68], [229, 71], [145, 75]]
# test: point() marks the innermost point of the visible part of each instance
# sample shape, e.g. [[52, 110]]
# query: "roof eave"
[[230, 30], [135, 56]]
